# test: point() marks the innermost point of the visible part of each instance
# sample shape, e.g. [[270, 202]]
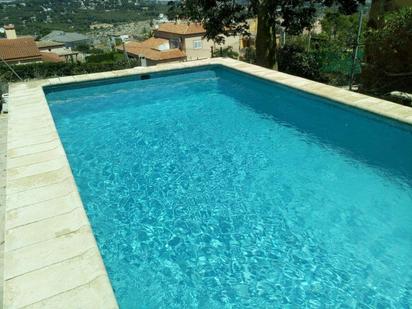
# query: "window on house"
[[174, 43], [197, 44]]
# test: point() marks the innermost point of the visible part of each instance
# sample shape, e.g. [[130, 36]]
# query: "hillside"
[[38, 17]]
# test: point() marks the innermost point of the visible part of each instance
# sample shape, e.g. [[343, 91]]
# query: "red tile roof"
[[150, 50], [152, 43], [19, 49], [182, 28]]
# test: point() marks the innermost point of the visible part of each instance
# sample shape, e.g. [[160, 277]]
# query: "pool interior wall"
[[210, 187]]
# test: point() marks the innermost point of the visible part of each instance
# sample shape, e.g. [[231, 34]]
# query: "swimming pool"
[[213, 188]]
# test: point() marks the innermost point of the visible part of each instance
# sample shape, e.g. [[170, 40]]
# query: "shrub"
[[104, 57], [225, 52], [388, 64], [293, 59], [46, 70]]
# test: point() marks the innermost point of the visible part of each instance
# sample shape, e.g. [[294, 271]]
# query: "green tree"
[[388, 64], [334, 46], [227, 17], [340, 28]]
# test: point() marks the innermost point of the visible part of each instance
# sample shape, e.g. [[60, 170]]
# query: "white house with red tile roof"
[[153, 51], [66, 54], [190, 38], [21, 50]]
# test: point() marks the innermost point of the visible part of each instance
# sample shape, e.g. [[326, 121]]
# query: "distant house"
[[190, 38], [64, 53], [69, 39], [19, 50], [153, 51], [22, 50], [50, 46]]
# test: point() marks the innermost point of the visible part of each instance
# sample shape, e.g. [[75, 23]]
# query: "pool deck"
[[51, 259], [3, 143]]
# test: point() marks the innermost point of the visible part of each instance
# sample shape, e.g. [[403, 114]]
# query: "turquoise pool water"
[[213, 189]]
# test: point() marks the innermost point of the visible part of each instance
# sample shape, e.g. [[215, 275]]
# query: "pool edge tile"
[[41, 180]]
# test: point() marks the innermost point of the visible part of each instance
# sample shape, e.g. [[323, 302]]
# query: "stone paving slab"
[[3, 146], [51, 258]]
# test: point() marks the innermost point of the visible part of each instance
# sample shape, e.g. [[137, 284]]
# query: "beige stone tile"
[[29, 112], [21, 114], [276, 77], [35, 158], [43, 210], [385, 105], [32, 149], [40, 194], [106, 75], [53, 81], [35, 83], [36, 169], [55, 250], [94, 295], [296, 83], [43, 230], [401, 113], [122, 73], [315, 87], [19, 133], [366, 101], [66, 79], [408, 119], [29, 101], [30, 141], [38, 180], [52, 280], [83, 77], [24, 127], [15, 118], [22, 93]]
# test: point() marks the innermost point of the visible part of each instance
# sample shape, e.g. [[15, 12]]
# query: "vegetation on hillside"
[[388, 64], [39, 17], [46, 70]]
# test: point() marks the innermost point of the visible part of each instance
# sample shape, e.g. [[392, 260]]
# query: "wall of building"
[[205, 51], [55, 49], [10, 33], [233, 41], [193, 53]]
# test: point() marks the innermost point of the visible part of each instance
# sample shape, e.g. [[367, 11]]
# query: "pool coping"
[[51, 258]]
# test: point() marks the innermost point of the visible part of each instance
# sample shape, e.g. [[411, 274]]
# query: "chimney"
[[10, 32]]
